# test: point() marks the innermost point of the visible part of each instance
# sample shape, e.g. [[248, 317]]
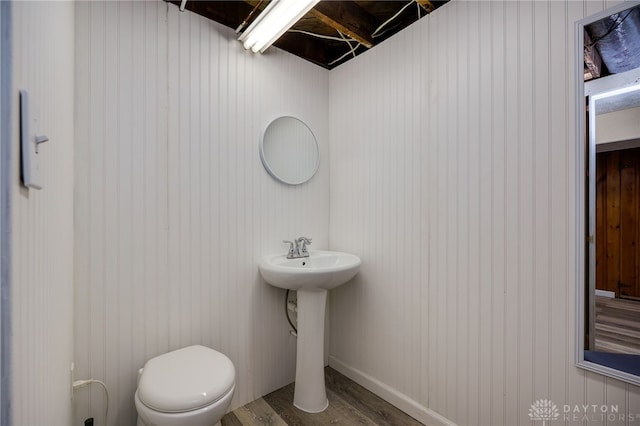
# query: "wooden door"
[[617, 222]]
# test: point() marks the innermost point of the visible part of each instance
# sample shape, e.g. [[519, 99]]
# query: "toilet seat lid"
[[186, 379]]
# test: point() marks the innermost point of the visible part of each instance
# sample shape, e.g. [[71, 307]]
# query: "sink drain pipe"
[[286, 311]]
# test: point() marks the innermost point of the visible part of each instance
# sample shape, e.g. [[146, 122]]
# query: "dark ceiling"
[[364, 23]]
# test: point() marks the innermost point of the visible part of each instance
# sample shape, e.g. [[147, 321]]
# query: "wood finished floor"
[[617, 325], [349, 404]]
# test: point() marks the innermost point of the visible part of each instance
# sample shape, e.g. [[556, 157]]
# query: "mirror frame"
[[265, 162], [585, 246]]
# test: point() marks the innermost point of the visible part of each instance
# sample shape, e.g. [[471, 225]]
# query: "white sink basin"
[[322, 270]]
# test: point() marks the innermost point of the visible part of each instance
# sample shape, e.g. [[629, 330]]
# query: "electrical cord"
[[345, 55], [384, 24], [348, 40], [320, 35], [82, 383], [353, 49]]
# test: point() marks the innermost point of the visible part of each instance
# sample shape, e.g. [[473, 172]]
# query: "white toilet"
[[189, 386]]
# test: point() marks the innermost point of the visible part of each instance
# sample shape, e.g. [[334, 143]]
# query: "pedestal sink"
[[311, 277]]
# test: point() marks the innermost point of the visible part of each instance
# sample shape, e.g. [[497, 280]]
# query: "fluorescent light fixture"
[[275, 20]]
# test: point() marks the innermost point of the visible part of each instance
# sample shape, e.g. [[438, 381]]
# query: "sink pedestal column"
[[310, 394]]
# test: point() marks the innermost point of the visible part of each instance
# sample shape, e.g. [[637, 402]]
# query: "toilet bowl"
[[186, 387]]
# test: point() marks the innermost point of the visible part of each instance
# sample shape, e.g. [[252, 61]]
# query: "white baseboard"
[[604, 293], [398, 399]]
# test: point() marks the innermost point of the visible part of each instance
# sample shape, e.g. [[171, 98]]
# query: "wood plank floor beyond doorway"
[[349, 404]]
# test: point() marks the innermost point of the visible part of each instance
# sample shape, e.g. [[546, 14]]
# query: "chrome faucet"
[[298, 248]]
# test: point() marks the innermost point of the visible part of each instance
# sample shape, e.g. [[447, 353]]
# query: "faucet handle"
[[303, 245], [291, 249]]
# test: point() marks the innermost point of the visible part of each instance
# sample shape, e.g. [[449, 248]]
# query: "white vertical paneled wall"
[[39, 295], [173, 206], [452, 175]]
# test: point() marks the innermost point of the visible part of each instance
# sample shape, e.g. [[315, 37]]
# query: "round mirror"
[[289, 151]]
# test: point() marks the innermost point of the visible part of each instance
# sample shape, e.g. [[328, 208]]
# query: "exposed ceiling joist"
[[426, 5], [592, 60], [348, 18]]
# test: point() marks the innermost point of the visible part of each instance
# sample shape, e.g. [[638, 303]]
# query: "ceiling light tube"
[[275, 20]]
